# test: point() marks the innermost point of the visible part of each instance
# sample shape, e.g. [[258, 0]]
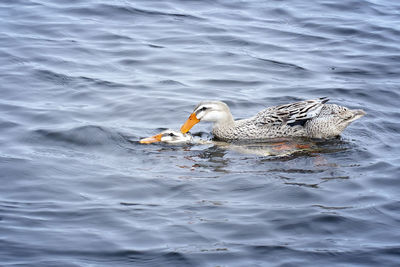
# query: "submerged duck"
[[169, 137], [309, 118], [279, 148]]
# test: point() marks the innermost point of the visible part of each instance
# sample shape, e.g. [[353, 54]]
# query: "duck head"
[[169, 137], [214, 111]]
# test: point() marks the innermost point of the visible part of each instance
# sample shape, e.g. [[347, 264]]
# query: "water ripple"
[[83, 81]]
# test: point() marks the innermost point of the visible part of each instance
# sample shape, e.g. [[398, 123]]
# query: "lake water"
[[82, 81]]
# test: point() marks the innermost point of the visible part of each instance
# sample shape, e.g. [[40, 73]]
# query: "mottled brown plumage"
[[309, 118]]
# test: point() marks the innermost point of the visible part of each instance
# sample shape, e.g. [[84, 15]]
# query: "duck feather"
[[291, 114]]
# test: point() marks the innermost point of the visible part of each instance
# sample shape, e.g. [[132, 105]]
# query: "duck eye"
[[171, 134], [203, 108]]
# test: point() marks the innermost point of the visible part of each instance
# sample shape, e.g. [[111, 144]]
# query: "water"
[[82, 81]]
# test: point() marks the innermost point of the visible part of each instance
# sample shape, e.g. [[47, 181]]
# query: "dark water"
[[82, 81]]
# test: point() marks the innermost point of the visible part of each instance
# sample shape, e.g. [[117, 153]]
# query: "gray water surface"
[[82, 81]]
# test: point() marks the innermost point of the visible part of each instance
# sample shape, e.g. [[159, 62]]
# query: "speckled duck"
[[309, 118]]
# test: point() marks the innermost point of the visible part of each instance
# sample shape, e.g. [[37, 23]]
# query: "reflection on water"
[[288, 160]]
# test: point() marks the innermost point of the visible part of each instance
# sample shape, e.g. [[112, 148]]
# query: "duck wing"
[[291, 114]]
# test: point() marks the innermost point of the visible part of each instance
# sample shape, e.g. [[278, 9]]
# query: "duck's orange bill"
[[189, 123], [151, 139]]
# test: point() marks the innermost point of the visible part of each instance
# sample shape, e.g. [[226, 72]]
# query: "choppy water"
[[82, 81]]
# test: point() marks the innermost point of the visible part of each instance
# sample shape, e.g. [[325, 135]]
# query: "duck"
[[280, 148], [309, 118], [169, 137]]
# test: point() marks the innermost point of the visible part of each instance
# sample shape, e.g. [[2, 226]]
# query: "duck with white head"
[[169, 137]]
